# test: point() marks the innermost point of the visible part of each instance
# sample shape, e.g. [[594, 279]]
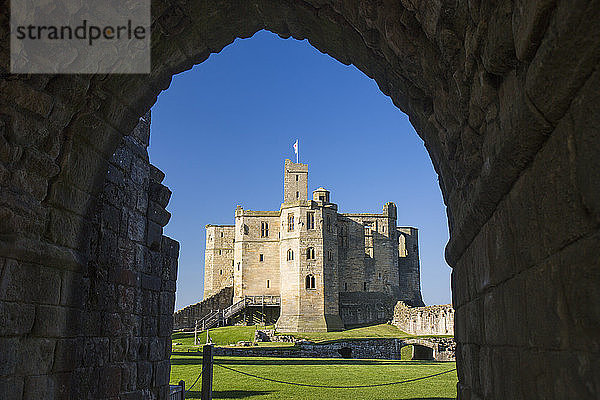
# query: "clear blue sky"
[[222, 131]]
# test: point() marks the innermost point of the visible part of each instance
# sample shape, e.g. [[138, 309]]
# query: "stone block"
[[110, 380], [11, 387], [74, 289], [17, 319], [9, 356], [136, 227], [160, 194], [128, 376], [38, 387], [545, 327], [493, 317], [585, 144], [555, 74], [165, 325], [498, 54], [158, 214], [155, 350], [162, 371], [150, 282], [96, 352], [144, 374], [35, 356], [153, 235], [579, 278], [68, 355], [56, 321], [167, 303], [530, 20]]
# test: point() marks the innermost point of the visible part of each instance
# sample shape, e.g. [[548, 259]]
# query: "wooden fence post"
[[182, 384], [207, 372]]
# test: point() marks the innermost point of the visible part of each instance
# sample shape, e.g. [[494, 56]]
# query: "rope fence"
[[334, 387], [207, 377]]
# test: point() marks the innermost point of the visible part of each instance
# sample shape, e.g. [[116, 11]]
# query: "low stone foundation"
[[388, 349]]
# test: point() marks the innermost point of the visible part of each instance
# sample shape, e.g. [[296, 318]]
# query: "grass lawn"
[[232, 334], [373, 331], [339, 372]]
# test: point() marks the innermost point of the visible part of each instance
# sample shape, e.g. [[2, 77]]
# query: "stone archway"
[[504, 95]]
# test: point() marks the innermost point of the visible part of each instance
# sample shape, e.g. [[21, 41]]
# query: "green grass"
[[374, 331], [219, 336], [340, 372]]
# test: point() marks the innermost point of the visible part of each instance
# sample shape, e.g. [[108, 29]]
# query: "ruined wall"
[[116, 309], [409, 266], [368, 261], [429, 320], [360, 308], [186, 317]]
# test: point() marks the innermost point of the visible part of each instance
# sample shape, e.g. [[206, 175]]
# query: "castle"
[[327, 269]]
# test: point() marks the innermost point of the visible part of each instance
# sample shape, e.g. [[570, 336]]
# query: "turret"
[[295, 182]]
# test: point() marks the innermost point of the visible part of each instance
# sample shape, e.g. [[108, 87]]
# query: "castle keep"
[[328, 269]]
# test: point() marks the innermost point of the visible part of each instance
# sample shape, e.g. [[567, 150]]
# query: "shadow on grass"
[[230, 394]]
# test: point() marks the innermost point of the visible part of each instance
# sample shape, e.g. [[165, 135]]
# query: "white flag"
[[296, 149]]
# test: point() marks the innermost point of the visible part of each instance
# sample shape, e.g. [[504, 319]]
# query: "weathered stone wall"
[[218, 258], [429, 320], [360, 308], [409, 266], [503, 94], [100, 329], [186, 317]]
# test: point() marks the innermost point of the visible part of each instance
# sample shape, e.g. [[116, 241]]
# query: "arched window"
[[310, 253], [290, 255], [310, 282]]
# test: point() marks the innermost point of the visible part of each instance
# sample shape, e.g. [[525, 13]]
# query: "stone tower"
[[295, 182], [308, 257]]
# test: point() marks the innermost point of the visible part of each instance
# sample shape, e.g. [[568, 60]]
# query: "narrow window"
[[219, 252], [310, 282], [330, 255], [268, 283], [328, 223], [261, 257], [238, 266], [290, 255], [297, 195], [221, 234], [346, 286], [220, 272], [365, 286], [310, 253], [310, 220], [379, 275], [296, 178], [290, 222], [232, 263], [264, 229]]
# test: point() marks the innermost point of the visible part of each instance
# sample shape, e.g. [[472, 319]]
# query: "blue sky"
[[222, 131]]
